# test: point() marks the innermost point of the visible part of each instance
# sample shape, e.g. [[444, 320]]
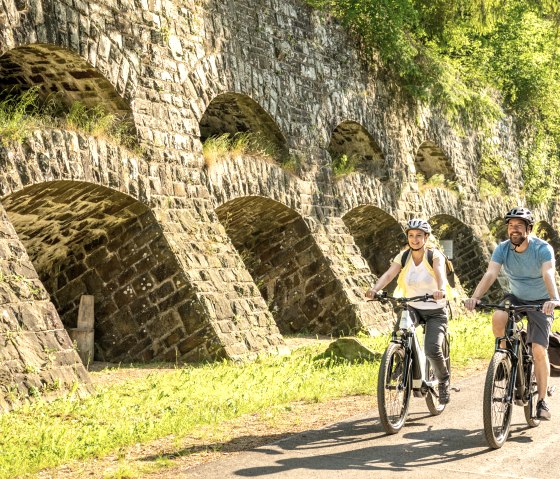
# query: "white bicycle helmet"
[[418, 224], [520, 213]]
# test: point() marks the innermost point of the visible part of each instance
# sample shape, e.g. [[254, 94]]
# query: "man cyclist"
[[417, 277], [528, 263]]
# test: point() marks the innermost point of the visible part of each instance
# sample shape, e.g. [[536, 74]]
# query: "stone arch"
[[467, 253], [353, 140], [232, 113], [84, 238], [545, 231], [498, 231], [430, 160], [378, 235], [286, 264], [62, 78]]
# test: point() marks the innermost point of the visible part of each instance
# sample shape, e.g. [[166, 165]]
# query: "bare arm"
[[441, 279], [384, 280], [548, 274], [484, 284]]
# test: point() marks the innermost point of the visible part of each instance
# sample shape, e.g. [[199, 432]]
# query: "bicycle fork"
[[514, 383]]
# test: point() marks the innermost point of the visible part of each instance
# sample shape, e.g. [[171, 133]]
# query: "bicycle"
[[510, 378], [405, 369]]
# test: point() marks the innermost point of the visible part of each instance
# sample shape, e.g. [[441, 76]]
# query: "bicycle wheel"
[[393, 398], [496, 408], [432, 400], [530, 408]]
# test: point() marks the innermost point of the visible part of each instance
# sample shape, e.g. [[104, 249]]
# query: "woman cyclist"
[[417, 277]]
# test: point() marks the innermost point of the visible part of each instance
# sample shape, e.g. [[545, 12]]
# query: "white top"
[[419, 281]]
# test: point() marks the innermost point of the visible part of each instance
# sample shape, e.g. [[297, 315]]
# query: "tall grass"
[[21, 113], [226, 145], [187, 398]]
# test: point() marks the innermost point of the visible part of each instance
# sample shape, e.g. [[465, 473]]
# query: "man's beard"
[[520, 240]]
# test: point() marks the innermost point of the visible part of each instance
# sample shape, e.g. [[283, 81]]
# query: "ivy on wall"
[[475, 60]]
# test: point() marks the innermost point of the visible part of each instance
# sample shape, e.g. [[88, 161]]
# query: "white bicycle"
[[405, 369]]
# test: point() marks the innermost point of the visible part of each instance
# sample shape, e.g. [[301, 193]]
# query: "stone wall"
[[190, 258]]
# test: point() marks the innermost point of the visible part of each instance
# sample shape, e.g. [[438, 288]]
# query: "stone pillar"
[[36, 354]]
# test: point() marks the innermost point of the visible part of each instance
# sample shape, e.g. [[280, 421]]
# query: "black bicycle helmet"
[[520, 213], [418, 224]]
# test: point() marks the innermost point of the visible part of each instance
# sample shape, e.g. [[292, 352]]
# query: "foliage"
[[437, 180], [472, 59], [18, 116], [344, 165], [45, 435], [226, 145], [21, 113]]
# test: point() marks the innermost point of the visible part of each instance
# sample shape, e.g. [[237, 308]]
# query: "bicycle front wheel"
[[497, 409], [432, 399], [393, 389], [530, 408]]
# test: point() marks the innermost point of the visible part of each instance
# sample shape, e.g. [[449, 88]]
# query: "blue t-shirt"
[[524, 270]]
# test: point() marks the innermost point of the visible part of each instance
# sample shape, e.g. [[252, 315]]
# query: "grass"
[[22, 113], [184, 400], [221, 147]]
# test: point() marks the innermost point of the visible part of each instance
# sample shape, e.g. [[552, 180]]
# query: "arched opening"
[[352, 148], [236, 122], [378, 235], [66, 88], [88, 239], [286, 264], [546, 232], [463, 248], [433, 167]]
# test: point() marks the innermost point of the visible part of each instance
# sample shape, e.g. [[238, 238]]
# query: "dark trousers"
[[434, 336]]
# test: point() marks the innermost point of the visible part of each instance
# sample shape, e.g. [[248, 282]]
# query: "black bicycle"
[[510, 378], [405, 369]]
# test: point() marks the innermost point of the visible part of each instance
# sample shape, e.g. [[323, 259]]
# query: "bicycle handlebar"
[[511, 307], [385, 297]]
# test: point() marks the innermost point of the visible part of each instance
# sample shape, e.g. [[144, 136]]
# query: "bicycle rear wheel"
[[496, 408], [530, 408], [393, 397], [432, 399]]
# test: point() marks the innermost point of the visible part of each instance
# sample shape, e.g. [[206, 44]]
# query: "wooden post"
[[83, 334]]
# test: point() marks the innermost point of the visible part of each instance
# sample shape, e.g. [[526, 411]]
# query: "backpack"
[[449, 270], [554, 353]]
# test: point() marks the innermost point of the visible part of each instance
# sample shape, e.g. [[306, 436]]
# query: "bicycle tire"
[[530, 409], [432, 399], [496, 409], [393, 402]]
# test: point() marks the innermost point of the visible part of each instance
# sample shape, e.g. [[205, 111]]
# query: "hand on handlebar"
[[372, 294], [470, 304], [438, 295], [548, 307]]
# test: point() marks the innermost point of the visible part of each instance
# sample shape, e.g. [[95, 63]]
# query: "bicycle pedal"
[[550, 390]]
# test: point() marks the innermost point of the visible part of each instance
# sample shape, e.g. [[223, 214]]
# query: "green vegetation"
[[344, 165], [21, 113], [182, 401], [475, 60], [435, 181], [226, 145]]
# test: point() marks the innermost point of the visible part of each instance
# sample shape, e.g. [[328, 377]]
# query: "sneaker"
[[542, 410], [443, 392]]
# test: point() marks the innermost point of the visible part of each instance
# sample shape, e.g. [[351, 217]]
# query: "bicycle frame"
[[510, 378], [415, 356], [518, 351]]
